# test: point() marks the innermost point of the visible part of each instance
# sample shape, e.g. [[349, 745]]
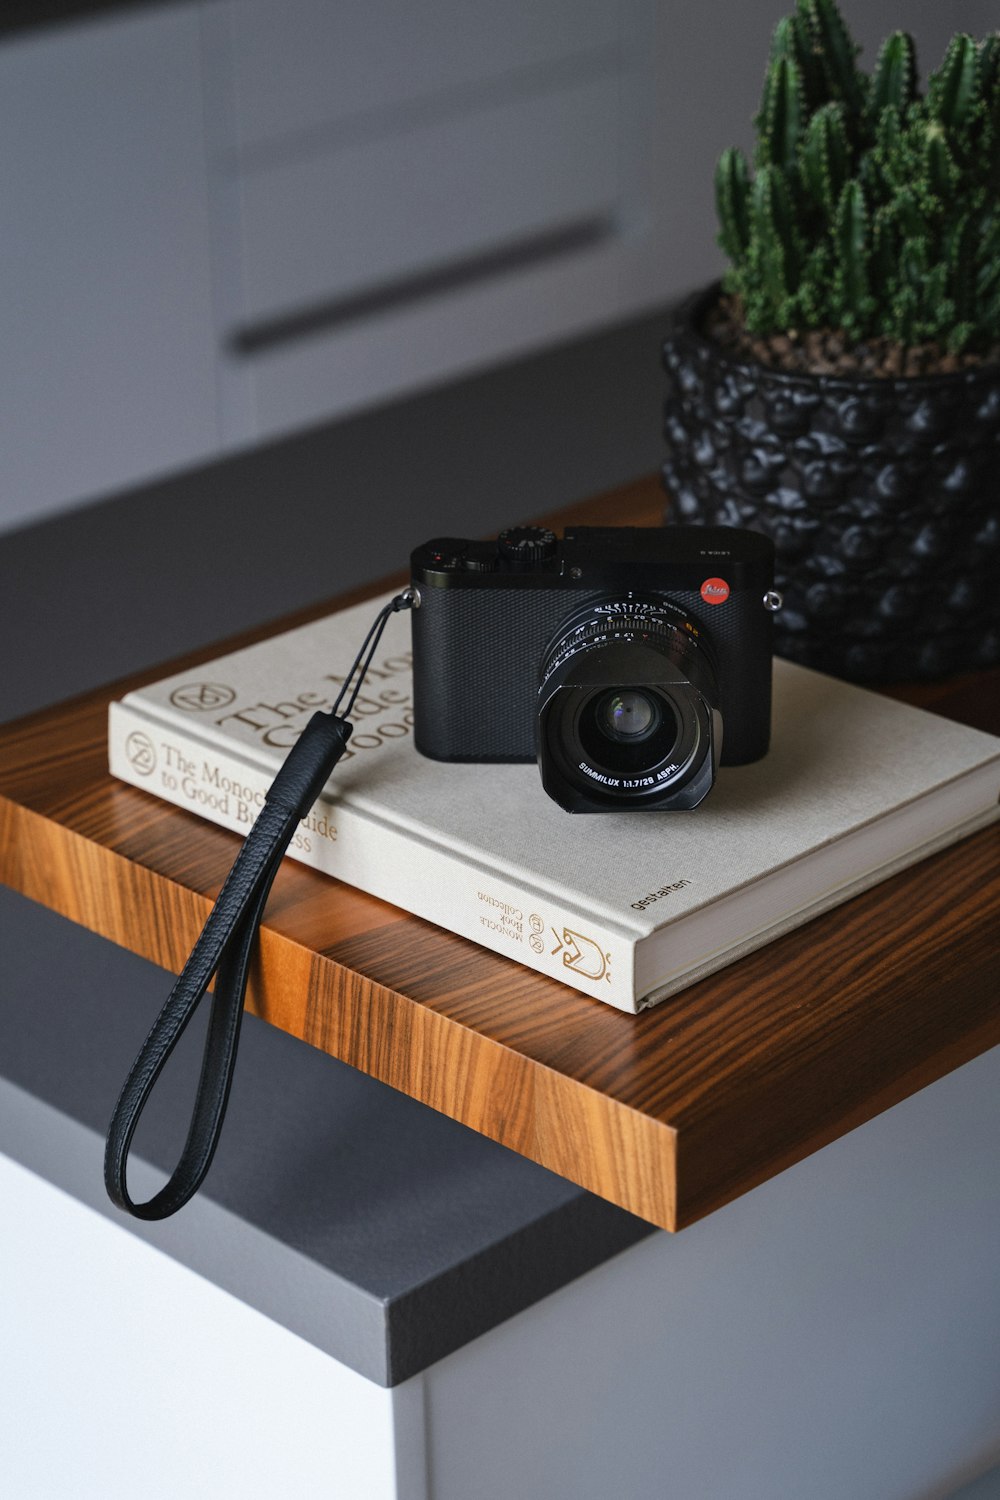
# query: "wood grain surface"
[[670, 1113]]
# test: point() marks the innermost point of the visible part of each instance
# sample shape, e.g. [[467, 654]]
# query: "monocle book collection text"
[[628, 907]]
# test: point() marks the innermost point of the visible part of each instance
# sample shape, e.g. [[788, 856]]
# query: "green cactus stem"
[[955, 87], [960, 246], [773, 235], [732, 192], [825, 159], [781, 116], [850, 231], [792, 39], [895, 78], [837, 52], [941, 171]]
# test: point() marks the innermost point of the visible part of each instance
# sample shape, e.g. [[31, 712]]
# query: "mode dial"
[[526, 546]]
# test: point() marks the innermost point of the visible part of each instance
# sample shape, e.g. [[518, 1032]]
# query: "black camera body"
[[629, 661]]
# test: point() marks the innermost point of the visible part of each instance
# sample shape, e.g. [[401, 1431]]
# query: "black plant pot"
[[882, 497]]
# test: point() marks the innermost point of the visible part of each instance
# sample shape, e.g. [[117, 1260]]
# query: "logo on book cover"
[[199, 697], [140, 752], [581, 954]]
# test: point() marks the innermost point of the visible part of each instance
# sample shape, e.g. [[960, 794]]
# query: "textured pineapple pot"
[[882, 497]]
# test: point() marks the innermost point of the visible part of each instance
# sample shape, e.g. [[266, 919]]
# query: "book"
[[629, 907]]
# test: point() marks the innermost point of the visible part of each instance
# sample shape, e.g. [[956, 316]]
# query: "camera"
[[629, 661]]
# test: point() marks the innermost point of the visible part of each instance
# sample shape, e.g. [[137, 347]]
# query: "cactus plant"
[[871, 209]]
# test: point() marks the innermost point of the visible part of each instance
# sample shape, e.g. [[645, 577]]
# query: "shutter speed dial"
[[526, 546]]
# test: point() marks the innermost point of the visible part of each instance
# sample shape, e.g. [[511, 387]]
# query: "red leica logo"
[[715, 591]]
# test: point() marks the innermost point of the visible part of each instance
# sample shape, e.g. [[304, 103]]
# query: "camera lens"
[[628, 708], [628, 715], [626, 731]]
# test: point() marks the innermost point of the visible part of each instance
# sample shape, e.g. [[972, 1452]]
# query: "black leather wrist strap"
[[225, 949]]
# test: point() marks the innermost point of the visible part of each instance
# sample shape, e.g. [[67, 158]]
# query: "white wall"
[[123, 1373], [832, 1335]]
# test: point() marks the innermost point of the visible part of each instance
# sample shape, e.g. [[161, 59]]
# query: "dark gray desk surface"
[[380, 1231]]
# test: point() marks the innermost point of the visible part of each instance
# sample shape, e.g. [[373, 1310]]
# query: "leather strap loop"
[[225, 949]]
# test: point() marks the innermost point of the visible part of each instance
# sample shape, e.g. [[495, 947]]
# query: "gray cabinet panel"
[[298, 381], [329, 228], [303, 64], [108, 370]]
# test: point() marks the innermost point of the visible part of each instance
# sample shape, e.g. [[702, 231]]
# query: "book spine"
[[386, 861]]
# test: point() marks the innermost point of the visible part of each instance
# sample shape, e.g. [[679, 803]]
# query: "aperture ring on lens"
[[658, 623]]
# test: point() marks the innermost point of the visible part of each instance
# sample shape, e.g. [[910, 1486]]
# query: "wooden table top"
[[670, 1113]]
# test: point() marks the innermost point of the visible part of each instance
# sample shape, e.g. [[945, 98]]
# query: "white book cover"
[[629, 907]]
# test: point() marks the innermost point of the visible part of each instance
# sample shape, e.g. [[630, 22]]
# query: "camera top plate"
[[654, 557]]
